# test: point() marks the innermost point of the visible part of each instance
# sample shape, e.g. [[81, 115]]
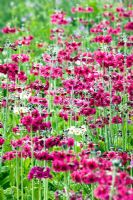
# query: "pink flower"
[[1, 141], [102, 192], [117, 120], [20, 58], [22, 76], [89, 178], [27, 120], [39, 173], [70, 142], [76, 176], [129, 26], [8, 30], [59, 18], [116, 99]]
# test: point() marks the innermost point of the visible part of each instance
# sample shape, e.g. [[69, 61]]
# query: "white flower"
[[78, 62], [24, 95], [83, 127], [4, 53], [2, 75], [17, 110], [76, 130], [7, 60]]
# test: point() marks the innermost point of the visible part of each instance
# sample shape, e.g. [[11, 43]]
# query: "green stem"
[[17, 177], [92, 191], [40, 198], [113, 183], [46, 189], [67, 185]]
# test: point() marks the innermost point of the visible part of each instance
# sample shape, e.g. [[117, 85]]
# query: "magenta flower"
[[2, 140], [39, 173]]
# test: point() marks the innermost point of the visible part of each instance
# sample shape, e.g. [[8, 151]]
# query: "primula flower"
[[70, 142], [1, 141], [116, 120], [24, 41], [89, 178], [7, 30], [9, 155], [129, 26], [59, 18], [20, 58], [27, 120], [39, 173], [116, 99], [102, 192], [81, 9], [59, 166]]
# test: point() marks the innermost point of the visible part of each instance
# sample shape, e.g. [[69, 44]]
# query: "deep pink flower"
[[20, 58], [70, 142], [89, 178], [116, 99], [39, 173], [102, 192], [27, 120], [129, 26], [117, 120], [8, 30], [2, 140]]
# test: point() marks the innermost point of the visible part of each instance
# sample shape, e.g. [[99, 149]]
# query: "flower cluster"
[[66, 104], [39, 173]]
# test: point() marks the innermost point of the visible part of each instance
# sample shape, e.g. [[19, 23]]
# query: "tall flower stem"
[[45, 189], [17, 177], [92, 191], [32, 162], [22, 178], [113, 183], [67, 185], [40, 197], [45, 183]]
